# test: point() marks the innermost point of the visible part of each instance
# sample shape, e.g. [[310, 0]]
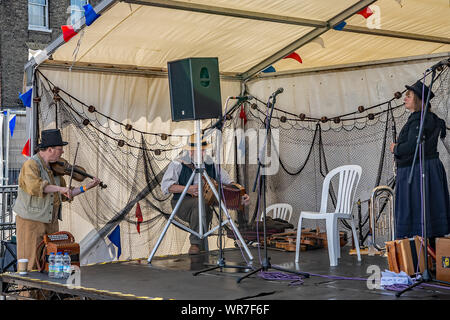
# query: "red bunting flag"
[[366, 12], [139, 218], [295, 56], [26, 149], [68, 32], [243, 115]]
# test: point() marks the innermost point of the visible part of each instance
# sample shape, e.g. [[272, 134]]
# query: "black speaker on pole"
[[194, 89]]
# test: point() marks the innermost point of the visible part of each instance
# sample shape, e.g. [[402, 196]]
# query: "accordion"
[[231, 197], [232, 193], [63, 242], [406, 255]]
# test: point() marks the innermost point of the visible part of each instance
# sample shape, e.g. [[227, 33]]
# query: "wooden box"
[[310, 239], [406, 255]]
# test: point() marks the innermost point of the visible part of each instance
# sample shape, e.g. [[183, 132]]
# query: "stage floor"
[[172, 278]]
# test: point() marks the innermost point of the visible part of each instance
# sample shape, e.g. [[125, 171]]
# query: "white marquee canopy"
[[249, 35]]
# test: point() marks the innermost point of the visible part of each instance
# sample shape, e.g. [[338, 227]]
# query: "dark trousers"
[[188, 212]]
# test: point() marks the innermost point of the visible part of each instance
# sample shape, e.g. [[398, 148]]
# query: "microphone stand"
[[221, 261], [266, 265], [394, 139], [426, 275]]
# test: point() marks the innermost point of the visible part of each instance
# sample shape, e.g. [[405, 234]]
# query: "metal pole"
[[230, 220], [2, 147], [171, 217], [199, 163], [33, 113], [8, 137]]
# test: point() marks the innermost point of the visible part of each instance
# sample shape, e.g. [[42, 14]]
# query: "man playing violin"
[[176, 178], [40, 194]]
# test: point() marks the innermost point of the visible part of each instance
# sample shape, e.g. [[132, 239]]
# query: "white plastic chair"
[[279, 210], [349, 176]]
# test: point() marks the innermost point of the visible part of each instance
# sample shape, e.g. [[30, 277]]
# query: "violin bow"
[[71, 171]]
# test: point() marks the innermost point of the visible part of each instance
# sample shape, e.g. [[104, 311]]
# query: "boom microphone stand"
[[426, 274], [266, 265], [221, 261]]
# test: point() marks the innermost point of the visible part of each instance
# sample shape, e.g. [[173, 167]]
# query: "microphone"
[[279, 90], [247, 97], [440, 63]]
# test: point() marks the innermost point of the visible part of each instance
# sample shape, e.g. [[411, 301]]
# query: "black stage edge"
[[170, 278]]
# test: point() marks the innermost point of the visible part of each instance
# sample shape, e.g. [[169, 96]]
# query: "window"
[[77, 10], [38, 14]]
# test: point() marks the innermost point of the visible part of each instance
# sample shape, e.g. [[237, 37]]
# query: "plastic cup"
[[22, 266]]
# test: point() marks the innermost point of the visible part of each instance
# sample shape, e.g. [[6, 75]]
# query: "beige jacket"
[[32, 203]]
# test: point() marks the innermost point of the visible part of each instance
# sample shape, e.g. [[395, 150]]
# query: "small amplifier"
[[443, 259]]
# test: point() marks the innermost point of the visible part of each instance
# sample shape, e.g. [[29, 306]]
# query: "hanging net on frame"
[[132, 162]]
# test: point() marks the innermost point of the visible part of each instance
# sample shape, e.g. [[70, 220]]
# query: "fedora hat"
[[417, 89], [51, 138], [192, 142]]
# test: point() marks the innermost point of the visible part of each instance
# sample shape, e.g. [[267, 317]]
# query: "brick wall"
[[16, 39]]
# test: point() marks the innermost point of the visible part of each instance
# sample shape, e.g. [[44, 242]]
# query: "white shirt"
[[174, 170]]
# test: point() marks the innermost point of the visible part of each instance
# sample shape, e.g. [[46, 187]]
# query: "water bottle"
[[67, 265], [59, 266], [51, 265]]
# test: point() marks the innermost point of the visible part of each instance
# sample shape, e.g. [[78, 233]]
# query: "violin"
[[63, 167]]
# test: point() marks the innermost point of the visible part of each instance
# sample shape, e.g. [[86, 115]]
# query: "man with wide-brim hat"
[[176, 178], [191, 144], [51, 138], [40, 194]]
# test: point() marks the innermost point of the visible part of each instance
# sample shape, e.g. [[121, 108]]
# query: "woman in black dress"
[[408, 212]]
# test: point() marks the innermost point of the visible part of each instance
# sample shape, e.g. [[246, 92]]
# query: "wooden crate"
[[310, 240]]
